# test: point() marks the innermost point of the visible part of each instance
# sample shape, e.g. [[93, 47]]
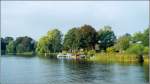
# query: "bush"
[[91, 52], [135, 49], [110, 50]]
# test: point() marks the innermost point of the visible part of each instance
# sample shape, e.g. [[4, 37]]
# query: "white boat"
[[60, 55]]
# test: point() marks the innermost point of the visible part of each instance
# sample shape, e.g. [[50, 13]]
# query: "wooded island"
[[98, 45]]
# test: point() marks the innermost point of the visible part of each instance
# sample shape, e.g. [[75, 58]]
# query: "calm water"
[[35, 70]]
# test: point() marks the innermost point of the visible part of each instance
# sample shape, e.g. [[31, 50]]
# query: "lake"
[[37, 70]]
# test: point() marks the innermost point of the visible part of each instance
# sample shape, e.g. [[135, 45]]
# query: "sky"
[[35, 18]]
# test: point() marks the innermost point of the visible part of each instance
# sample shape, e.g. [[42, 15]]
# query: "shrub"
[[135, 49], [91, 52], [110, 50]]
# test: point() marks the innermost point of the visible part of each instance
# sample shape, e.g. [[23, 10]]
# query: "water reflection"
[[35, 70], [89, 72]]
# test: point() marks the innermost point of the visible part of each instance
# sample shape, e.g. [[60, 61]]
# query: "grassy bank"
[[22, 54], [26, 53], [118, 57]]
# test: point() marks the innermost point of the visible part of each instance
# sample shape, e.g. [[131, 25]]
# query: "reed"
[[118, 57]]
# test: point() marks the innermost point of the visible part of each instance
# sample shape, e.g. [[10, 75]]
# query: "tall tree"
[[3, 46], [4, 42], [146, 37], [10, 48], [88, 37], [55, 38], [50, 43], [24, 44], [8, 39], [43, 45], [123, 42], [72, 39], [143, 37], [106, 37]]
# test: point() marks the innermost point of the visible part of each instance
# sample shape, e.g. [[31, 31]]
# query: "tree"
[[4, 42], [106, 37], [43, 45], [138, 36], [136, 49], [123, 42], [3, 46], [72, 39], [10, 48], [146, 37], [24, 44], [83, 37], [142, 37], [50, 43], [110, 50], [8, 39], [55, 38], [88, 37]]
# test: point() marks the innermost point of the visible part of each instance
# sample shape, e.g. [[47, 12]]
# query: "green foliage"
[[42, 45], [110, 49], [88, 37], [50, 43], [106, 37], [20, 45], [24, 44], [123, 42], [91, 52], [146, 50], [10, 48], [71, 40], [135, 49], [146, 37], [143, 37], [20, 48], [3, 44], [55, 38], [83, 37], [8, 39], [115, 58]]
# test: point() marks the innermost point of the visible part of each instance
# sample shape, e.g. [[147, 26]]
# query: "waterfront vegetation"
[[101, 45], [119, 58]]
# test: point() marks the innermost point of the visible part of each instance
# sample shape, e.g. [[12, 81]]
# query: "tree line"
[[20, 45], [77, 38]]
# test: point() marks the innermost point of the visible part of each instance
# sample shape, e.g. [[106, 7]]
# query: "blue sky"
[[35, 18]]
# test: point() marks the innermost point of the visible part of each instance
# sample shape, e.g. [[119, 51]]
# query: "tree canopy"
[[72, 39], [123, 42], [87, 37], [24, 44], [10, 48], [106, 37], [50, 43], [143, 37], [84, 37]]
